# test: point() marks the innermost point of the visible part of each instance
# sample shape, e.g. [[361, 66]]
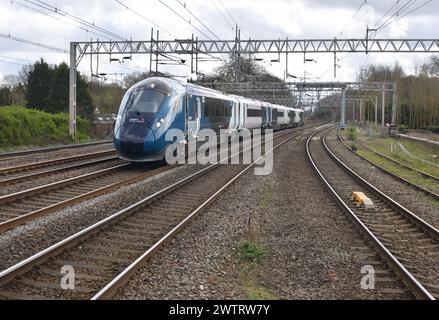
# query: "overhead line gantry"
[[195, 47]]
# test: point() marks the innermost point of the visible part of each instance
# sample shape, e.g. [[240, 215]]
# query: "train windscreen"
[[145, 101]]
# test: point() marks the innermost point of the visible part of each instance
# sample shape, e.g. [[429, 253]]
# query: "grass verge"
[[20, 127], [402, 172]]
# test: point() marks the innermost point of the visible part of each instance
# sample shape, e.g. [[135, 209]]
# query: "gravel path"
[[53, 155], [313, 251], [415, 201]]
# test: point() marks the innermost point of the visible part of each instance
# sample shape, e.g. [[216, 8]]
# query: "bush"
[[403, 129], [20, 126], [354, 148], [434, 129], [352, 133], [251, 252]]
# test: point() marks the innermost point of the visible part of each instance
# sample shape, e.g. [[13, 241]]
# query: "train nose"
[[136, 139]]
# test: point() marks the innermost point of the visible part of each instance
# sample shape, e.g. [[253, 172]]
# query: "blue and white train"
[[153, 106]]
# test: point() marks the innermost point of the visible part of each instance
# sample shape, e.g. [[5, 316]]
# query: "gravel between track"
[[313, 251], [52, 155], [413, 200], [37, 235]]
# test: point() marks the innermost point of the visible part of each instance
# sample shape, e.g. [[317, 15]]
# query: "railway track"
[[15, 174], [4, 155], [433, 181], [25, 206], [409, 244], [106, 254]]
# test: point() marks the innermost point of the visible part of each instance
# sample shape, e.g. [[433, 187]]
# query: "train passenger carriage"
[[154, 106]]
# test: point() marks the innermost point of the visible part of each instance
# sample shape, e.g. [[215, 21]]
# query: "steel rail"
[[42, 164], [26, 265], [13, 223], [54, 171], [112, 287], [51, 149], [55, 185], [394, 175], [425, 174], [417, 288], [27, 217]]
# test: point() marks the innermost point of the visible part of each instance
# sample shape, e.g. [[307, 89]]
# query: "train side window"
[[227, 109], [192, 108], [275, 115], [214, 108], [254, 113]]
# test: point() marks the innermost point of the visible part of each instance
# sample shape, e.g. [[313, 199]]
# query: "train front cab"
[[147, 110]]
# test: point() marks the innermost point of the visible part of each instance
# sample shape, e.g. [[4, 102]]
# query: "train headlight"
[[159, 124]]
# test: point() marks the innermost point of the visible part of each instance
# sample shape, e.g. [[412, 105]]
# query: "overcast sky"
[[258, 19]]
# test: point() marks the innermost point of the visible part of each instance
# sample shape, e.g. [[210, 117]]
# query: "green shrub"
[[403, 129], [434, 129], [352, 133], [20, 126], [354, 148], [251, 252]]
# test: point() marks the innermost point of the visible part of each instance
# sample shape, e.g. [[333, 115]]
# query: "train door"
[[235, 123], [193, 116], [265, 116], [243, 116]]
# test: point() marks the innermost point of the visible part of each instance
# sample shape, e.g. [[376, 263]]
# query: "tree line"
[[417, 95], [46, 87]]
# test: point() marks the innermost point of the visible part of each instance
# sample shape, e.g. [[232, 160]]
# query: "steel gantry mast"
[[244, 47]]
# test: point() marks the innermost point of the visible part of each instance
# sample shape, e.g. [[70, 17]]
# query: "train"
[[152, 107]]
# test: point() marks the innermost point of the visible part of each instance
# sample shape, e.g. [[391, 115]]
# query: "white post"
[[376, 111], [72, 91], [361, 111], [394, 105], [343, 109], [383, 120], [354, 103]]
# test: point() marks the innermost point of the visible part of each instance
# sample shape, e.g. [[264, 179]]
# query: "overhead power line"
[[222, 15], [55, 49], [228, 12], [352, 17], [184, 19], [397, 13], [363, 2], [33, 43], [230, 15], [384, 15], [15, 63], [401, 17], [59, 19], [21, 59], [144, 18], [193, 15], [67, 15]]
